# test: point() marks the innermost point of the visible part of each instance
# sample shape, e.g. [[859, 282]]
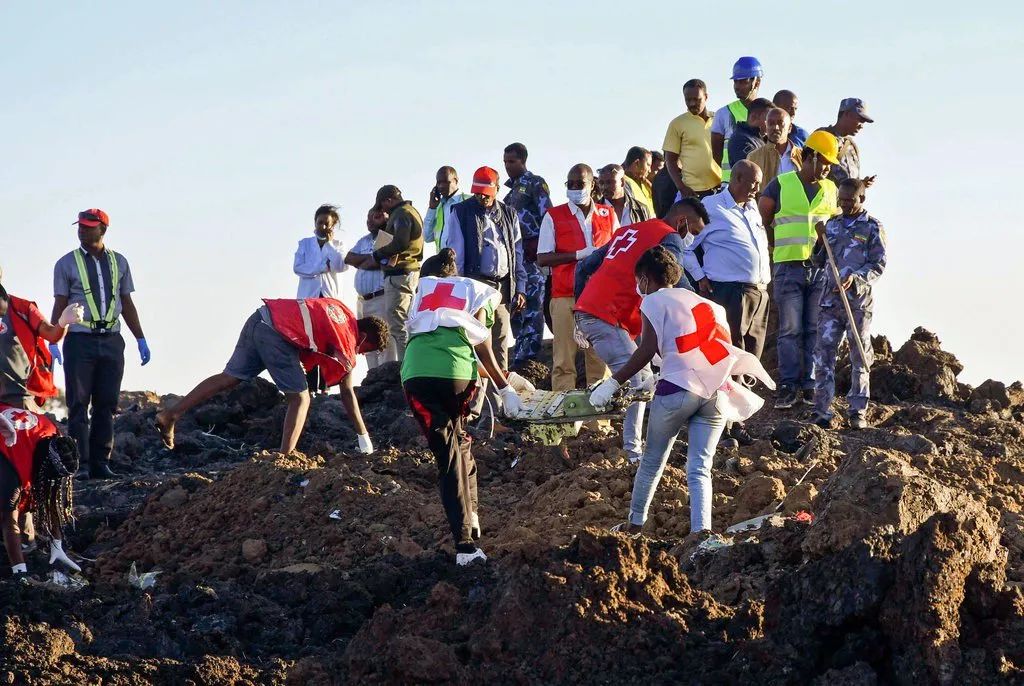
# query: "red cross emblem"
[[21, 419], [707, 337], [442, 297]]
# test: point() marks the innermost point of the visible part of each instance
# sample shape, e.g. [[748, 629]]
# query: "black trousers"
[[440, 407], [746, 308], [93, 367]]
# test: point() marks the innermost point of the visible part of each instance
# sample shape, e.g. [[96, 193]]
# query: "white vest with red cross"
[[697, 353], [30, 428], [569, 237], [451, 302]]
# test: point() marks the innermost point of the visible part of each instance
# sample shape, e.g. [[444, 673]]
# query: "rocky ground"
[[898, 559]]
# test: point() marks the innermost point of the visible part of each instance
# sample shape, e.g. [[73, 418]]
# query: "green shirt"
[[444, 353]]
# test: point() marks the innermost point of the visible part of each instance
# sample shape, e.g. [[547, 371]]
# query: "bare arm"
[[131, 315], [550, 259], [486, 356], [717, 146], [672, 166], [351, 403], [60, 302], [645, 351], [361, 261], [766, 206]]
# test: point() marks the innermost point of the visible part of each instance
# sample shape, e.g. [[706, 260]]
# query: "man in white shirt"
[[569, 233], [735, 270], [320, 258], [369, 283]]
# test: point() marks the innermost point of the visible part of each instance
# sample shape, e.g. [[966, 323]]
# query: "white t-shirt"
[[723, 122]]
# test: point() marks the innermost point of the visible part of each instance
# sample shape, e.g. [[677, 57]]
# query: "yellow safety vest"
[[796, 217], [107, 321], [739, 113]]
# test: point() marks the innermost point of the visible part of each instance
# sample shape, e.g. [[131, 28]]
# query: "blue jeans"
[[797, 291], [669, 415], [614, 346]]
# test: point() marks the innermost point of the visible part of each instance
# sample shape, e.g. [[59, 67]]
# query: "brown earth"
[[898, 559]]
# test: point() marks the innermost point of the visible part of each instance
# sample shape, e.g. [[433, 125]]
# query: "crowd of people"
[[660, 271]]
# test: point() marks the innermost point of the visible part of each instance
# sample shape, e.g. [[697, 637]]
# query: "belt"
[[371, 296], [743, 284], [708, 192]]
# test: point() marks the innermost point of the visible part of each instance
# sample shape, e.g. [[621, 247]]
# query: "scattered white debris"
[[335, 515], [141, 581]]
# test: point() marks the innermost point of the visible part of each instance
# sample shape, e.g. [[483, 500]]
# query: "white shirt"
[[786, 161], [318, 267], [546, 240], [735, 243]]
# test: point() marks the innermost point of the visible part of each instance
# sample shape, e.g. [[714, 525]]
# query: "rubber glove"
[[72, 314], [581, 341], [55, 352], [602, 395], [584, 253], [511, 405], [144, 351], [648, 383], [520, 383], [365, 444], [7, 431], [58, 556]]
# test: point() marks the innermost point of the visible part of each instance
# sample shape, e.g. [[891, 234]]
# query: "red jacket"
[[610, 294], [31, 428], [569, 238], [26, 318], [323, 328]]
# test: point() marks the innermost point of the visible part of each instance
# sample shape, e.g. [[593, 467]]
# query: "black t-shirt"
[[663, 190]]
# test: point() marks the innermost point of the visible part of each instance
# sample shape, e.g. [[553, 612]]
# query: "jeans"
[[669, 414], [614, 346], [797, 292], [93, 367]]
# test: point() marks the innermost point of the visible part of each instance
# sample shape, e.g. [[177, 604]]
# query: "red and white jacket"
[[569, 238], [323, 328], [30, 428]]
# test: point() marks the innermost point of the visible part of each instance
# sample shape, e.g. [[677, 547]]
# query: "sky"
[[210, 132]]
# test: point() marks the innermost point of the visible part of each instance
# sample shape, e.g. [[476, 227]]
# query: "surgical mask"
[[640, 292], [577, 197]]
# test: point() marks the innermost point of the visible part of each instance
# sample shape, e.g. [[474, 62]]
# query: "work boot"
[[858, 421], [741, 435], [808, 396], [822, 421], [786, 399], [101, 470]]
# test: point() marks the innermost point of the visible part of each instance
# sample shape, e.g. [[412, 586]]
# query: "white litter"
[[141, 581], [335, 515]]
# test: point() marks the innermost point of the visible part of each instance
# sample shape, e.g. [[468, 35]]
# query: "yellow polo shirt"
[[641, 192], [689, 136]]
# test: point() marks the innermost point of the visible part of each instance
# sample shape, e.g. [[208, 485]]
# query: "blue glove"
[[144, 351], [55, 351]]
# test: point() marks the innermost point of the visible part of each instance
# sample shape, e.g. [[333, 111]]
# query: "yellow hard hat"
[[825, 144]]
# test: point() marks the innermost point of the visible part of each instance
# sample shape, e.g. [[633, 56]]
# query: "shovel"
[[820, 228]]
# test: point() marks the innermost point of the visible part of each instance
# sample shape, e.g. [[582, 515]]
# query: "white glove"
[[7, 431], [584, 253], [365, 444], [57, 555], [581, 341], [72, 314], [521, 384], [602, 395], [511, 405], [648, 383]]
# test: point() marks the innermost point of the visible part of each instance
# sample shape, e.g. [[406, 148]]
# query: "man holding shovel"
[[852, 250]]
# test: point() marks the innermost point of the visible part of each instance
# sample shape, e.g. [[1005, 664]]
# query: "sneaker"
[[634, 457], [807, 396], [474, 527], [786, 399], [857, 421], [741, 435], [823, 422], [627, 529], [463, 559]]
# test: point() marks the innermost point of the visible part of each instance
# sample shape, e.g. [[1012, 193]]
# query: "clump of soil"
[[892, 555]]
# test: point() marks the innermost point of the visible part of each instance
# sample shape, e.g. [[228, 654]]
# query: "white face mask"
[[578, 197], [640, 292]]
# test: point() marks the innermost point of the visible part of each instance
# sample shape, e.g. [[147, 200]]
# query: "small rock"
[[915, 444], [254, 549], [799, 498], [176, 497]]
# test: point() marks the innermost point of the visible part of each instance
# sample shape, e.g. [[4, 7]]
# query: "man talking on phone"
[[442, 196]]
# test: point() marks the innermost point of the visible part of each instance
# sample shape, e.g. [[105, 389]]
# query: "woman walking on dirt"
[[694, 390], [449, 334]]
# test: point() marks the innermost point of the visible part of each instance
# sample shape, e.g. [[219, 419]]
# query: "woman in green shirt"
[[449, 336]]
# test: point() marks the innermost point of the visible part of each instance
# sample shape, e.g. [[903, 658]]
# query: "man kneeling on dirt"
[[37, 466], [287, 338]]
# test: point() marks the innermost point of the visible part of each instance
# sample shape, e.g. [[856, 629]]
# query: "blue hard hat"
[[747, 68]]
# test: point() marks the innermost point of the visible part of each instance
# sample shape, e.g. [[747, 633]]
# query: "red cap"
[[93, 217], [485, 182]]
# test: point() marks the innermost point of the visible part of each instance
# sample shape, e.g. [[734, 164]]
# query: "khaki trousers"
[[399, 291], [564, 348], [376, 307]]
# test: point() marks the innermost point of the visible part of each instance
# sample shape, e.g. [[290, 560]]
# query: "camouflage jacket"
[[529, 196], [858, 244]]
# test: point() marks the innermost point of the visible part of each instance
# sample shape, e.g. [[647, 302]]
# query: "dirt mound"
[[892, 555]]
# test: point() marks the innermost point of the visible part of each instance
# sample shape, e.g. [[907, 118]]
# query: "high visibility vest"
[[739, 113], [442, 208], [795, 218], [109, 318], [569, 238], [31, 428]]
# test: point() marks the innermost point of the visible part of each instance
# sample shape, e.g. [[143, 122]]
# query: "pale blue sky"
[[210, 134]]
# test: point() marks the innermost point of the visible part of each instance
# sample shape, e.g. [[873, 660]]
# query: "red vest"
[[569, 238], [32, 428], [40, 377], [610, 294], [323, 328]]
